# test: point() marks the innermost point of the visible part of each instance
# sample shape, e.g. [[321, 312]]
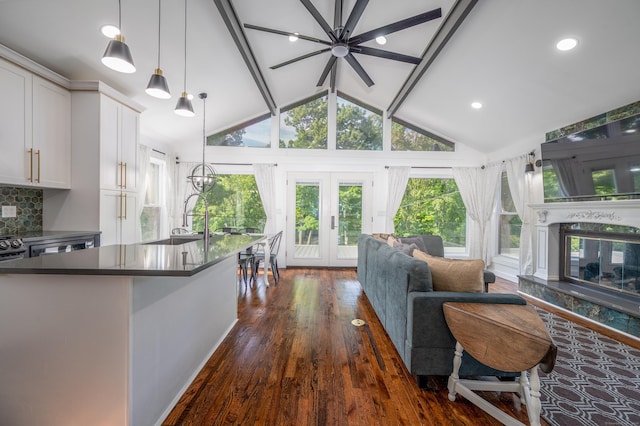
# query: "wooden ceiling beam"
[[452, 22], [230, 18]]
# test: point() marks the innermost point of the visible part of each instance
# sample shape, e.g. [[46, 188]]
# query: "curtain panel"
[[397, 184], [265, 181], [522, 194], [478, 189]]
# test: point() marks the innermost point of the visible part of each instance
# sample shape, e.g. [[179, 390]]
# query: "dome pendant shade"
[[118, 57], [158, 87], [184, 107]]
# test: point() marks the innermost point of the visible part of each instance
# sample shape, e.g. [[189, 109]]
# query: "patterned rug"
[[595, 381]]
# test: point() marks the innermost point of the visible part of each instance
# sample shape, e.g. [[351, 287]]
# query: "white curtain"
[[169, 193], [478, 189], [143, 166], [521, 193], [265, 180], [397, 184]]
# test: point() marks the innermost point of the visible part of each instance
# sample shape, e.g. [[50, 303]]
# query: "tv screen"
[[601, 163]]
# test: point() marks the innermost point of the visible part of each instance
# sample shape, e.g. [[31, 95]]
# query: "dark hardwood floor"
[[294, 358]]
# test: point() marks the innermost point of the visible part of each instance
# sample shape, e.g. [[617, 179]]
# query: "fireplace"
[[587, 260]]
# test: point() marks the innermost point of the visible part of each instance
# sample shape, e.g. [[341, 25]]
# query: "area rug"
[[596, 380]]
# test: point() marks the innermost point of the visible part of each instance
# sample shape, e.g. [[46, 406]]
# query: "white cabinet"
[[119, 219], [35, 130], [119, 130]]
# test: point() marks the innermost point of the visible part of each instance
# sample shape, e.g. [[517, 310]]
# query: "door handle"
[[38, 154], [333, 222]]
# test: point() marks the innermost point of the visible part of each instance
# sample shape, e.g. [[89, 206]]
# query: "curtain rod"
[[159, 152], [423, 167], [231, 164]]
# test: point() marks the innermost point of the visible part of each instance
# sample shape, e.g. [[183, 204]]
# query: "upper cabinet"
[[119, 133], [35, 130]]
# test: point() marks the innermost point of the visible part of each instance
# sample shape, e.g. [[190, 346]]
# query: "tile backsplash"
[[28, 203]]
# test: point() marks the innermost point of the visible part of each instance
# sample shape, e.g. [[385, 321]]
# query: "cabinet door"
[[129, 135], [51, 134], [110, 217], [110, 168], [15, 123]]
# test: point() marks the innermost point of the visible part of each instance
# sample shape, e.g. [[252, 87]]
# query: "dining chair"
[[274, 246]]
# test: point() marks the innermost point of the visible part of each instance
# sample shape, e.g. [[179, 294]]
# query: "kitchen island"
[[112, 335]]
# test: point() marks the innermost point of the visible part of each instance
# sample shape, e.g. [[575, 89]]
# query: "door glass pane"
[[307, 220], [349, 220]]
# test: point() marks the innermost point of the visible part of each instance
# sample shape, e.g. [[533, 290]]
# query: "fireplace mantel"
[[549, 216]]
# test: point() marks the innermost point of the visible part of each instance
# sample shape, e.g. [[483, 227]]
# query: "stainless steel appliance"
[[60, 245], [11, 248]]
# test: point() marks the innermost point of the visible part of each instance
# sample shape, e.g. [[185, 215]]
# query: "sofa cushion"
[[405, 248], [454, 274]]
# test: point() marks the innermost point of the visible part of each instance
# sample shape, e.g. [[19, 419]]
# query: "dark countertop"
[[136, 259]]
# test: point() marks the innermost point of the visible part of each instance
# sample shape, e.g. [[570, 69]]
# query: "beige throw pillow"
[[454, 274]]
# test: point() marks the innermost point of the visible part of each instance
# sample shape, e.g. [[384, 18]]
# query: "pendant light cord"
[[185, 45], [159, 22], [204, 137], [120, 17]]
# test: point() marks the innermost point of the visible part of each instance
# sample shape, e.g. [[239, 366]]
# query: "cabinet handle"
[[119, 184], [124, 182], [125, 206], [38, 154], [120, 207], [30, 165]]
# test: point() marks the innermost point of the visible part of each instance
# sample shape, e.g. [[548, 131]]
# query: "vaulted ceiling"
[[502, 55]]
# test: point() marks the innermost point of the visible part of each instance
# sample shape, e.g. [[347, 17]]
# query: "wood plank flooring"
[[294, 358]]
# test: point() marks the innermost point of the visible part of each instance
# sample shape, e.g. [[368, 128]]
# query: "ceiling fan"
[[342, 44]]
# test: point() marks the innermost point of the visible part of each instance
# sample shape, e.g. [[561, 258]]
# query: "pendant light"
[[184, 107], [203, 177], [158, 87], [118, 56]]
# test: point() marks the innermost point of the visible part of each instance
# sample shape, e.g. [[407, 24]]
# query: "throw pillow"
[[454, 274], [391, 241], [381, 236], [405, 248], [415, 240]]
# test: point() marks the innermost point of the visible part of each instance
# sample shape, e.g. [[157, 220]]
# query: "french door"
[[325, 214]]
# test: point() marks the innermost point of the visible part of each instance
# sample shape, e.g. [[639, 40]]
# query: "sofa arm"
[[426, 325], [489, 277]]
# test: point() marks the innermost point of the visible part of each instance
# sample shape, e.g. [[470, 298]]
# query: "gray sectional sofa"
[[400, 289]]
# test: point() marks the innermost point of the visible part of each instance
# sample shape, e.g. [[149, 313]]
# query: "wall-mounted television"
[[602, 163]]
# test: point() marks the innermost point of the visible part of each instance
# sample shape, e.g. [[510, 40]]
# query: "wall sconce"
[[529, 168]]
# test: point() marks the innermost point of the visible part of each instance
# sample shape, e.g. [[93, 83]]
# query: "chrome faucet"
[[205, 231]]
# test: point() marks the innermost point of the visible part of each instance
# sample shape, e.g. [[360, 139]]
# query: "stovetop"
[[10, 244]]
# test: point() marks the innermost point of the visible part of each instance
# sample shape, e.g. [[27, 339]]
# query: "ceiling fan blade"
[[316, 15], [372, 51], [299, 58], [327, 68], [396, 26], [337, 14], [358, 68], [353, 19], [285, 33]]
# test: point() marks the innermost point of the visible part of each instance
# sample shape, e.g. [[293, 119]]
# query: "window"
[[510, 223], [254, 133], [407, 137], [304, 124], [359, 127], [152, 221], [433, 206], [234, 202]]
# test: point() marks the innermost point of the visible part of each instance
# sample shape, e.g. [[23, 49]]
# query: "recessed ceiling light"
[[109, 31], [567, 44], [293, 37], [476, 105], [381, 40]]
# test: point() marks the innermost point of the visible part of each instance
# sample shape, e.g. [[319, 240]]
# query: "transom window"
[[407, 137], [255, 133], [304, 124], [359, 127]]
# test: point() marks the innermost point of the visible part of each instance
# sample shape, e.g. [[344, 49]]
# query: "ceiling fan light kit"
[[342, 44]]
